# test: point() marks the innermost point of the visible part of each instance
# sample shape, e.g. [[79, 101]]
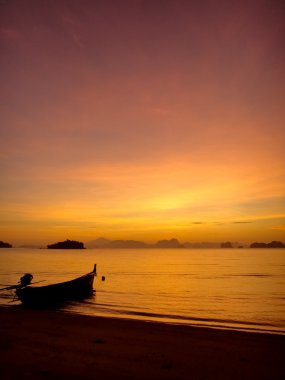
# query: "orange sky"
[[143, 120]]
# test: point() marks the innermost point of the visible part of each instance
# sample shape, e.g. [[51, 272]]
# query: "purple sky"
[[141, 118]]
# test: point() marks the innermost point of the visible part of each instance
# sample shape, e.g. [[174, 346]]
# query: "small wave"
[[113, 308], [197, 319], [226, 324], [258, 275], [250, 275]]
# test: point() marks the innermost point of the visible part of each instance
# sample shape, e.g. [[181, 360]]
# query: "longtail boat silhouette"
[[79, 288]]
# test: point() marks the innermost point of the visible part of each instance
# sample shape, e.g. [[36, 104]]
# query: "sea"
[[236, 289]]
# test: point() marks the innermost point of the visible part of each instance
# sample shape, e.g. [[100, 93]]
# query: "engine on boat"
[[26, 279]]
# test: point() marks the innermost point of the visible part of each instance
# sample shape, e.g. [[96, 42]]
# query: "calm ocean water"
[[235, 288]]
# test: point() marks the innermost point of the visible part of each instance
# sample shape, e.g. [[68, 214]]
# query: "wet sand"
[[57, 345]]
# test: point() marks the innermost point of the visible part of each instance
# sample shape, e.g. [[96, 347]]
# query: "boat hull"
[[76, 289]]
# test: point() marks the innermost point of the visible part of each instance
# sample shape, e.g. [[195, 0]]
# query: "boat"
[[77, 289]]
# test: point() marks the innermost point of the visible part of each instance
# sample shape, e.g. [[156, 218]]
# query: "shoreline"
[[39, 344], [219, 327], [167, 321], [172, 322]]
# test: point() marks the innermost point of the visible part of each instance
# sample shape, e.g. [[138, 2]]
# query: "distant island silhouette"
[[110, 244], [67, 244], [5, 245], [273, 244], [102, 242], [226, 244], [172, 243]]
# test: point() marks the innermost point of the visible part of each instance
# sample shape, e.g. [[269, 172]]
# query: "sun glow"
[[144, 127]]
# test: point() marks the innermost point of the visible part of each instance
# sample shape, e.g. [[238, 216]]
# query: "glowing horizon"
[[142, 120]]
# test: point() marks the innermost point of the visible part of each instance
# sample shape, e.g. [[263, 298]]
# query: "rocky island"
[[67, 244], [273, 244], [5, 245]]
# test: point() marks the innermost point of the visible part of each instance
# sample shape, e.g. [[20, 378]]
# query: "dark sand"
[[56, 345]]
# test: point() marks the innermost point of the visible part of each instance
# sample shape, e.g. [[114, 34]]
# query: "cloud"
[[243, 222], [279, 228]]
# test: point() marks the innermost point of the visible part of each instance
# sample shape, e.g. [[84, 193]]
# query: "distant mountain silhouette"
[[226, 244], [172, 243], [102, 242], [127, 244], [202, 245], [273, 244], [67, 244], [99, 243], [5, 245], [106, 243]]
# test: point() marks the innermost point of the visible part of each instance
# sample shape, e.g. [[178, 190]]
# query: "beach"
[[40, 344]]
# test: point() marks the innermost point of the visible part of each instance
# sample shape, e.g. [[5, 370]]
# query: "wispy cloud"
[[243, 222], [279, 228]]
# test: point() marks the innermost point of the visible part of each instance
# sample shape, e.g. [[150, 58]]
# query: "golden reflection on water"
[[230, 288]]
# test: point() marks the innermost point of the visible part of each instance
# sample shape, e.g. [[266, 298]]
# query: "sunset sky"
[[142, 120]]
